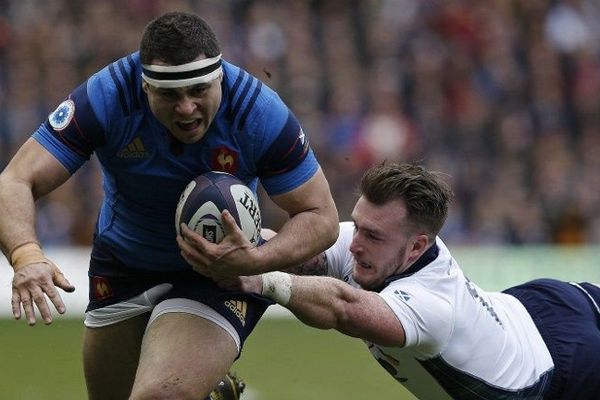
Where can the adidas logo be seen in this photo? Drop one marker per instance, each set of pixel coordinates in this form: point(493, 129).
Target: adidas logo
point(135, 149)
point(239, 308)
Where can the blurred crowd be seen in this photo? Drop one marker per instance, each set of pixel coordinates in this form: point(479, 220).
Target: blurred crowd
point(501, 95)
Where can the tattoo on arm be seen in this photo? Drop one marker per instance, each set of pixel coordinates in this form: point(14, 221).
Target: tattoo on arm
point(315, 266)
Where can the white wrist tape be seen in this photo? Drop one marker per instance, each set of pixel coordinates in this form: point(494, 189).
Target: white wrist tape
point(277, 286)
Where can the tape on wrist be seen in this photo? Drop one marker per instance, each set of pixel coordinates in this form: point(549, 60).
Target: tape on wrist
point(26, 254)
point(277, 286)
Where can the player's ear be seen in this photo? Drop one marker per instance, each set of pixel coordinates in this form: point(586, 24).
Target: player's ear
point(145, 87)
point(420, 243)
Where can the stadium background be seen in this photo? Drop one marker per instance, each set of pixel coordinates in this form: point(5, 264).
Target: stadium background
point(502, 95)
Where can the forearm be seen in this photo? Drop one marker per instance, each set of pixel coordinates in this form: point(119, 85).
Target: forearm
point(17, 233)
point(301, 238)
point(17, 210)
point(323, 303)
point(32, 173)
point(320, 302)
point(316, 265)
point(328, 303)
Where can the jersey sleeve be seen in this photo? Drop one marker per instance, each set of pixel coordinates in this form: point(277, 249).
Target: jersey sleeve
point(339, 259)
point(288, 160)
point(72, 131)
point(97, 112)
point(425, 316)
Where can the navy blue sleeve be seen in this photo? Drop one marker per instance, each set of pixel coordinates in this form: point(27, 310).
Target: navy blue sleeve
point(74, 124)
point(287, 151)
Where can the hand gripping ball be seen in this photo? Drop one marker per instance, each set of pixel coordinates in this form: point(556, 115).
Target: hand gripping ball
point(204, 199)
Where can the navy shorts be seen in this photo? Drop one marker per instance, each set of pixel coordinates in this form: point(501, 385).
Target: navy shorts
point(568, 319)
point(112, 282)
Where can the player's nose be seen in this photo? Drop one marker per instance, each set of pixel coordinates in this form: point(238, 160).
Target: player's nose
point(355, 245)
point(186, 105)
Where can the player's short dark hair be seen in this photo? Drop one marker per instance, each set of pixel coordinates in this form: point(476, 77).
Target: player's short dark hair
point(177, 38)
point(425, 193)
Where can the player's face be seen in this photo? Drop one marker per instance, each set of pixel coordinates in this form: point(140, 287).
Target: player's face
point(188, 111)
point(381, 244)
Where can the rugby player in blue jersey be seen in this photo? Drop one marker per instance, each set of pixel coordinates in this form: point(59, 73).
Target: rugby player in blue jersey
point(156, 327)
point(436, 332)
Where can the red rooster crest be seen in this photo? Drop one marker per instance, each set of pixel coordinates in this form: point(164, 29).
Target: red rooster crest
point(225, 159)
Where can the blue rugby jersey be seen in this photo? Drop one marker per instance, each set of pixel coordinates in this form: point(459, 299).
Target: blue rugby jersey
point(253, 136)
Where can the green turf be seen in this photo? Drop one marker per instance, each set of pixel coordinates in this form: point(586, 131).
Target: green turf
point(41, 362)
point(287, 360)
point(283, 359)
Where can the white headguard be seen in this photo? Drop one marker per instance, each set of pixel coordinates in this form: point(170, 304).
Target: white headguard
point(174, 76)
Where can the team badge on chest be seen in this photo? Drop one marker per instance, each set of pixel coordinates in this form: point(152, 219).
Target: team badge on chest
point(224, 159)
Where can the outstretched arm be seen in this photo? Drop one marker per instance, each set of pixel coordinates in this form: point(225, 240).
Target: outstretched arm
point(328, 303)
point(32, 173)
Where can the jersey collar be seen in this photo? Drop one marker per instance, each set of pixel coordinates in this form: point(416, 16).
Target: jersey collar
point(426, 258)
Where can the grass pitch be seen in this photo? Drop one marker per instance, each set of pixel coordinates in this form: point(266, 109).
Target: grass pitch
point(282, 359)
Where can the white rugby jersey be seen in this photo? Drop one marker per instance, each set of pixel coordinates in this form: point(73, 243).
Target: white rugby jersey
point(461, 342)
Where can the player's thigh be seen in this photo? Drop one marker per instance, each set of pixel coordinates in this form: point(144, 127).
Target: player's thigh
point(110, 357)
point(183, 356)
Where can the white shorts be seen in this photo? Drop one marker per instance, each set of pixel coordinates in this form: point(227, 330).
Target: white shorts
point(147, 302)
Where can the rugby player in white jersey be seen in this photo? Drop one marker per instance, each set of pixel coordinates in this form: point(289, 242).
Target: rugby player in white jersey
point(435, 331)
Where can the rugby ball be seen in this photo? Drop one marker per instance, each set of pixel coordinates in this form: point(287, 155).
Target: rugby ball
point(204, 199)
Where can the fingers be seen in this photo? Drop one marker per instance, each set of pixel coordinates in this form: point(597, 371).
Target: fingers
point(27, 304)
point(219, 260)
point(31, 286)
point(192, 242)
point(22, 297)
point(15, 304)
point(191, 236)
point(62, 282)
point(28, 300)
point(229, 224)
point(193, 257)
point(56, 300)
point(193, 247)
point(40, 301)
point(189, 251)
